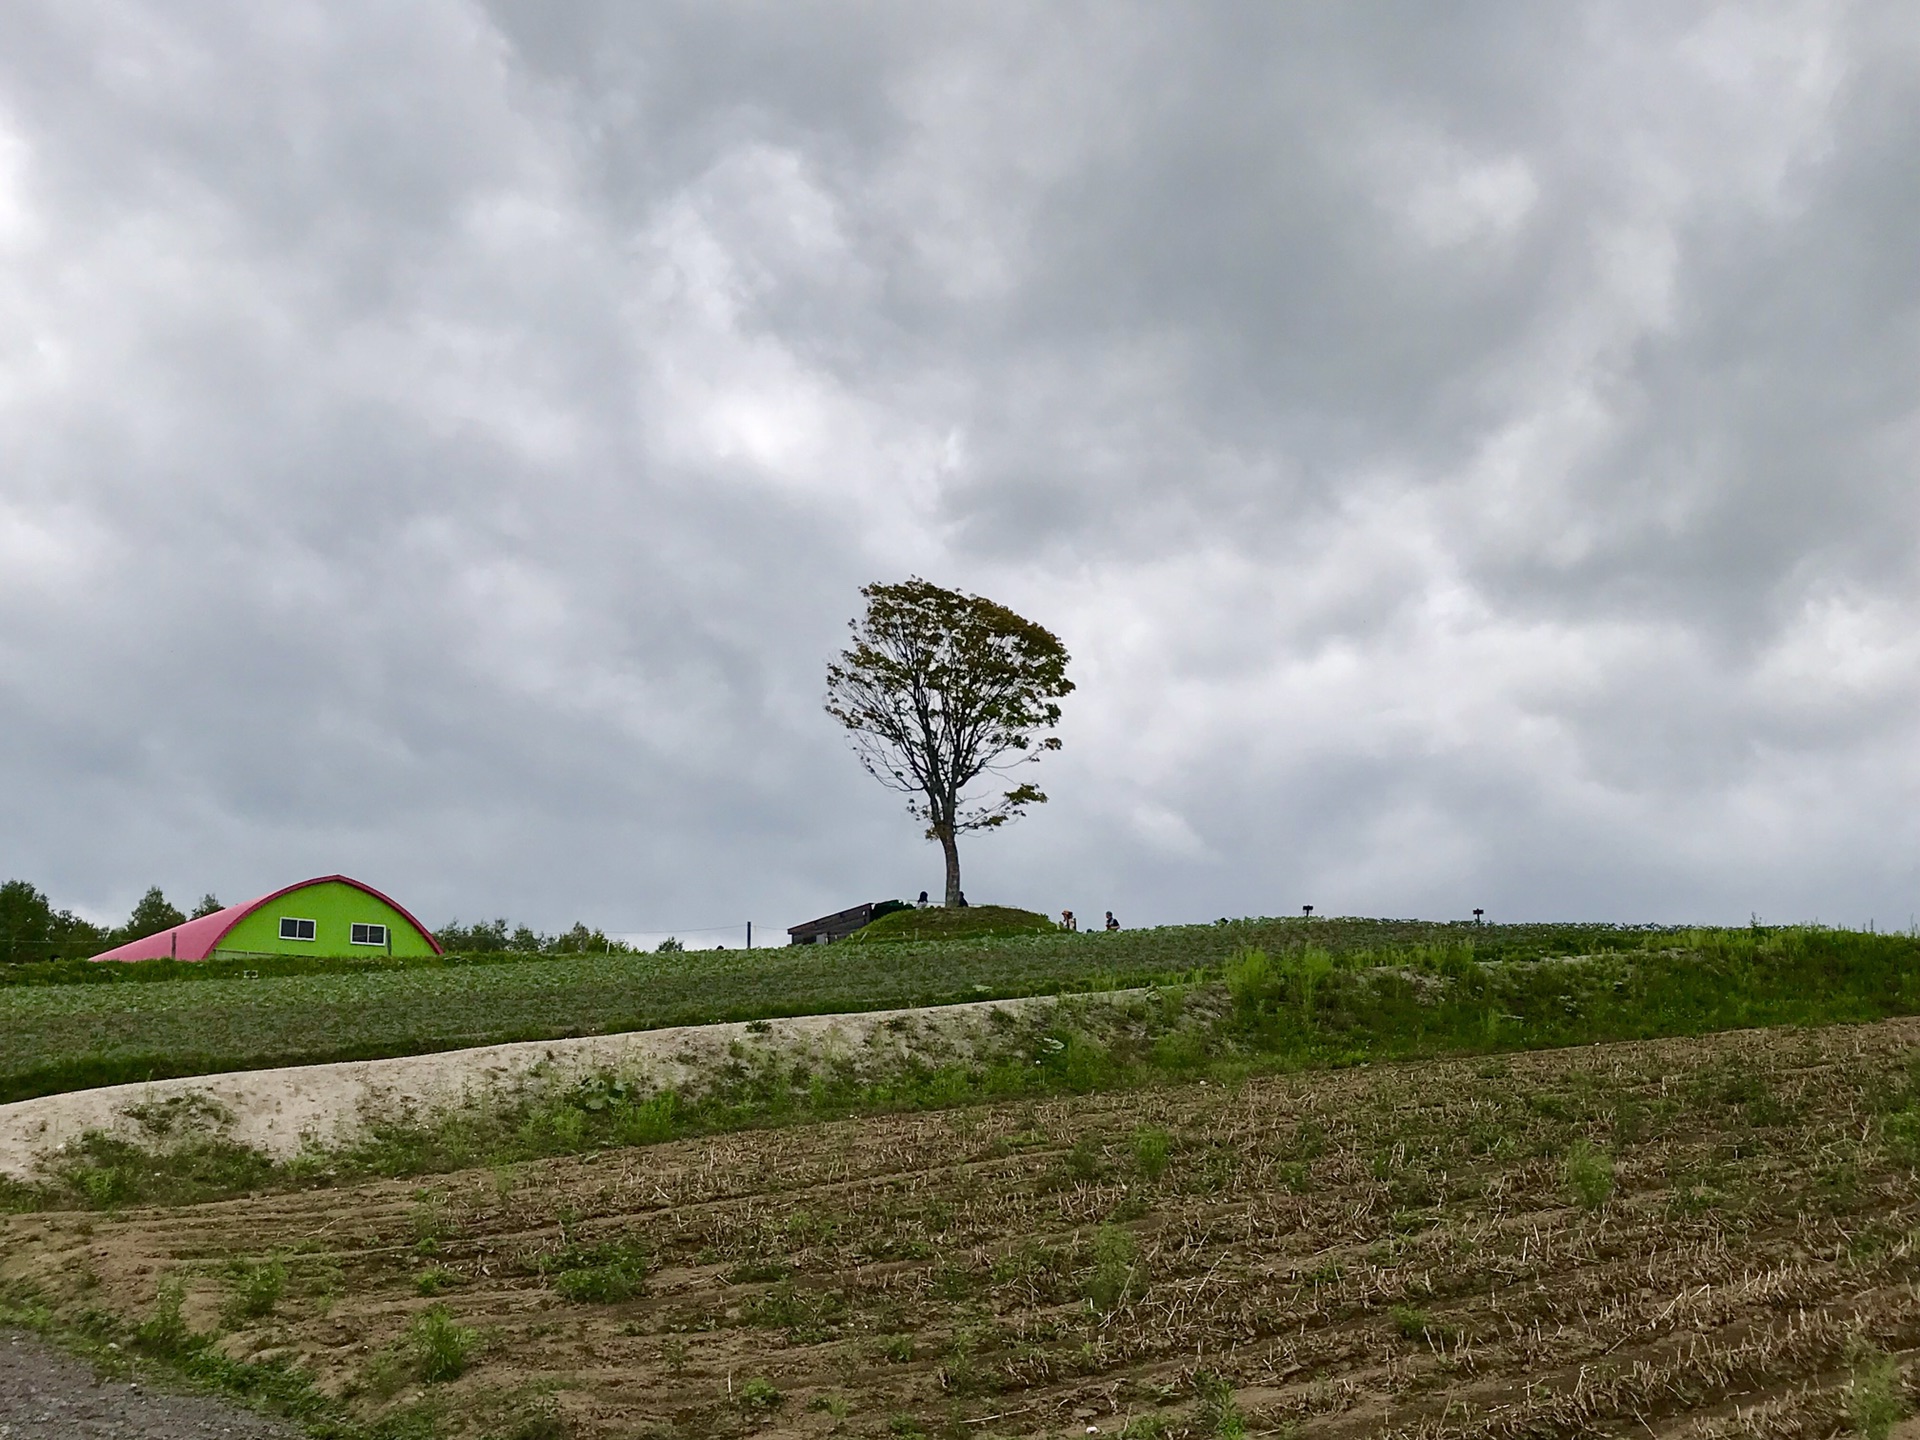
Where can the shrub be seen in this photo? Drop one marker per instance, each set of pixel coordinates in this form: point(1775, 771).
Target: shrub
point(441, 1348)
point(1182, 1051)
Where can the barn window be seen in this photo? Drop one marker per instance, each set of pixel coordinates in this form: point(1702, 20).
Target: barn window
point(292, 929)
point(369, 934)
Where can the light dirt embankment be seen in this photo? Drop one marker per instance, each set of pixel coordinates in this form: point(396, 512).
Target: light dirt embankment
point(282, 1111)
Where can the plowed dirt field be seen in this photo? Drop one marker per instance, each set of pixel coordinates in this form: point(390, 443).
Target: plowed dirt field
point(1696, 1237)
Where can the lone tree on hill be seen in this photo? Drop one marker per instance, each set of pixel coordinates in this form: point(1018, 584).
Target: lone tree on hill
point(940, 688)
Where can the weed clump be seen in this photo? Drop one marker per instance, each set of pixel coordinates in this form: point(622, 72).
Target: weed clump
point(1150, 1147)
point(1589, 1175)
point(759, 1396)
point(1264, 989)
point(897, 1349)
point(1086, 1162)
point(1875, 1398)
point(1115, 1273)
point(253, 1289)
point(1411, 1322)
point(105, 1170)
point(1900, 1132)
point(164, 1333)
point(1220, 1416)
point(433, 1280)
point(808, 1316)
point(442, 1349)
point(602, 1274)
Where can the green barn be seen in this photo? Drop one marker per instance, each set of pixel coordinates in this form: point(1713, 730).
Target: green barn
point(331, 915)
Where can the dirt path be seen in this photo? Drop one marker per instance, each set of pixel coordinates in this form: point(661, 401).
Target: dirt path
point(45, 1395)
point(1692, 1239)
point(278, 1110)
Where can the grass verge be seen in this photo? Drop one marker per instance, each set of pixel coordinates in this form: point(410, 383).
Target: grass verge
point(72, 1026)
point(1300, 1009)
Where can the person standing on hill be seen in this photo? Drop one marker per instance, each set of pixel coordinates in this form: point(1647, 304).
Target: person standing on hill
point(1067, 922)
point(1112, 924)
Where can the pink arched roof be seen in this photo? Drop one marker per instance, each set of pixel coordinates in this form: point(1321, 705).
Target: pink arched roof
point(197, 939)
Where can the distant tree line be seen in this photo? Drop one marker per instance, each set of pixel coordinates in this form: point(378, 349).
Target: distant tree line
point(492, 936)
point(31, 929)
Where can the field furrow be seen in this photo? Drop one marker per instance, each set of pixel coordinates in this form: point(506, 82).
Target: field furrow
point(1696, 1237)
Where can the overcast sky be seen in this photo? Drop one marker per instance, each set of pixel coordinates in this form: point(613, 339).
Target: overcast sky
point(1470, 451)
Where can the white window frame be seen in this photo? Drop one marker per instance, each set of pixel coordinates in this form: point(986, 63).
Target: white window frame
point(359, 927)
point(313, 928)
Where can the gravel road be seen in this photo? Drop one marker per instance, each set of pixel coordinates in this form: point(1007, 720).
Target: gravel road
point(45, 1395)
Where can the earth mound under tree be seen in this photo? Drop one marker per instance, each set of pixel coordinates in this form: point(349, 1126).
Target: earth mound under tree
point(941, 923)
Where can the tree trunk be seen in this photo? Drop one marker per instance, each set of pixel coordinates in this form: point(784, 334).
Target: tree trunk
point(944, 833)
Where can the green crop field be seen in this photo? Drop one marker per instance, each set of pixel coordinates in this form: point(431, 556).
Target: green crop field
point(65, 1027)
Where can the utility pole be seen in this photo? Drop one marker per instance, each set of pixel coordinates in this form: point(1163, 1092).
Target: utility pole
point(749, 934)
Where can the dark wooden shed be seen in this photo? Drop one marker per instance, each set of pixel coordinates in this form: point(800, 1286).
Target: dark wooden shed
point(828, 928)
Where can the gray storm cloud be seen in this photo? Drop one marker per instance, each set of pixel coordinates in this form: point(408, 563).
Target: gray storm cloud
point(1472, 462)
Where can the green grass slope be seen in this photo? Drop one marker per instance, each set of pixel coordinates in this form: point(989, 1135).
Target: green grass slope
point(976, 922)
point(158, 1019)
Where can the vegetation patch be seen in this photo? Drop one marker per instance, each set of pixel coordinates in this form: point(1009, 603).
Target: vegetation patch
point(937, 922)
point(601, 1274)
point(440, 1347)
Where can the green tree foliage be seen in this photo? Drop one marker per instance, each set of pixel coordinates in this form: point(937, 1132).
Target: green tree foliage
point(153, 914)
point(491, 937)
point(484, 937)
point(940, 688)
point(31, 929)
point(25, 917)
point(582, 941)
point(208, 905)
